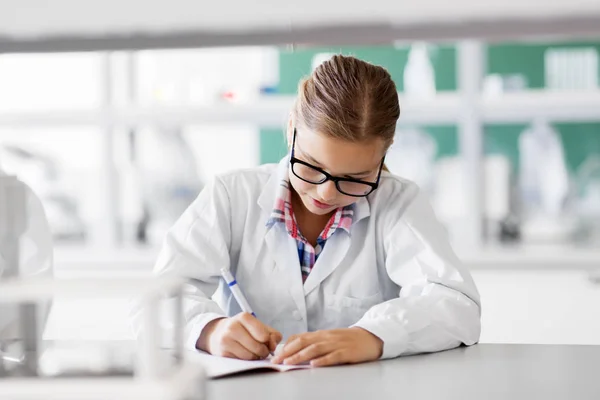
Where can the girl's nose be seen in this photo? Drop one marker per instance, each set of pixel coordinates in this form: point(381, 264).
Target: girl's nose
point(327, 192)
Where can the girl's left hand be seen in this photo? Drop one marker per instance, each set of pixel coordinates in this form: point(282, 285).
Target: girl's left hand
point(330, 347)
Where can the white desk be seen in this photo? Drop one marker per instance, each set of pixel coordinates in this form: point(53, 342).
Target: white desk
point(480, 372)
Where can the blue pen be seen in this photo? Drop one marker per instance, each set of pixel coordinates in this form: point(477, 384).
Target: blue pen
point(236, 291)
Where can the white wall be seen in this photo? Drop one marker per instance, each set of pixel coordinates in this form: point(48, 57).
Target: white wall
point(539, 306)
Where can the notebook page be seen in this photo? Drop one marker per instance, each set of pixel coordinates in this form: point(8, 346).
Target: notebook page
point(221, 366)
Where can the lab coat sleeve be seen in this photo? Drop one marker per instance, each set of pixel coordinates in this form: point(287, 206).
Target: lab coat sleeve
point(196, 248)
point(438, 306)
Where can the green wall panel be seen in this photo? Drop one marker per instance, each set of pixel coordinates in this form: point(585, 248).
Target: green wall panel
point(503, 139)
point(580, 141)
point(272, 145)
point(446, 138)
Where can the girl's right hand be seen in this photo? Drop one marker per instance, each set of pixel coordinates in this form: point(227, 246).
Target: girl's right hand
point(243, 337)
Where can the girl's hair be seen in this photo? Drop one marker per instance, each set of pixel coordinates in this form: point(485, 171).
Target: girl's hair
point(349, 99)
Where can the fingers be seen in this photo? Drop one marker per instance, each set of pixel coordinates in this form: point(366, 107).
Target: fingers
point(294, 344)
point(334, 358)
point(247, 340)
point(242, 336)
point(309, 353)
point(236, 332)
point(276, 336)
point(253, 335)
point(272, 344)
point(330, 347)
point(236, 350)
point(259, 331)
point(274, 339)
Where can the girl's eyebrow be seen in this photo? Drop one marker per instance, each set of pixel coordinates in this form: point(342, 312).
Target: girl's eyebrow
point(309, 158)
point(312, 160)
point(359, 174)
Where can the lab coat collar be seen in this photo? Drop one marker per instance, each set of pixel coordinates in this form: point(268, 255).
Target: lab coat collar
point(267, 197)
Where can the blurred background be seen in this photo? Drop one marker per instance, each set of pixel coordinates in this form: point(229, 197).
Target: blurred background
point(500, 125)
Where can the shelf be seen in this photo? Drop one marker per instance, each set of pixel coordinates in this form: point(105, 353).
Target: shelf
point(555, 106)
point(267, 111)
point(273, 111)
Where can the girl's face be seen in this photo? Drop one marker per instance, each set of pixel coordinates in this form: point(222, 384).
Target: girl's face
point(340, 158)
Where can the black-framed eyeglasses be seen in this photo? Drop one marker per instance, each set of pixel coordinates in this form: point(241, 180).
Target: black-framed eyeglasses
point(315, 175)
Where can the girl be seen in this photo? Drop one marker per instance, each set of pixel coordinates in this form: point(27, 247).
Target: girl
point(338, 258)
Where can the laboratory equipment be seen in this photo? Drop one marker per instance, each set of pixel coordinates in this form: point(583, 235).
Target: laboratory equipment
point(206, 76)
point(544, 185)
point(495, 85)
point(497, 194)
point(450, 195)
point(133, 214)
point(170, 185)
point(571, 68)
point(419, 75)
point(260, 74)
point(153, 373)
point(43, 174)
point(588, 188)
point(25, 253)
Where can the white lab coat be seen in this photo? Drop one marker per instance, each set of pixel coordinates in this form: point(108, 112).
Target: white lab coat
point(394, 275)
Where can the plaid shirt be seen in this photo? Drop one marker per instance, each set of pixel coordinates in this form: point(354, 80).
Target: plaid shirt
point(283, 213)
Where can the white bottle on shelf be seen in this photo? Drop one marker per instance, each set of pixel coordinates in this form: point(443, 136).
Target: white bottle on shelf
point(544, 184)
point(419, 75)
point(497, 187)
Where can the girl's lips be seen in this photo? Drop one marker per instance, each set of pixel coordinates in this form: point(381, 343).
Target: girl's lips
point(317, 203)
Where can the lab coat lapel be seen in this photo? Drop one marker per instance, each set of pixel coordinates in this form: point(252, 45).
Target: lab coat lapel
point(331, 257)
point(283, 249)
point(266, 200)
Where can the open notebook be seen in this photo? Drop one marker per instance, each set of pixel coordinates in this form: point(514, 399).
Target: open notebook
point(220, 366)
